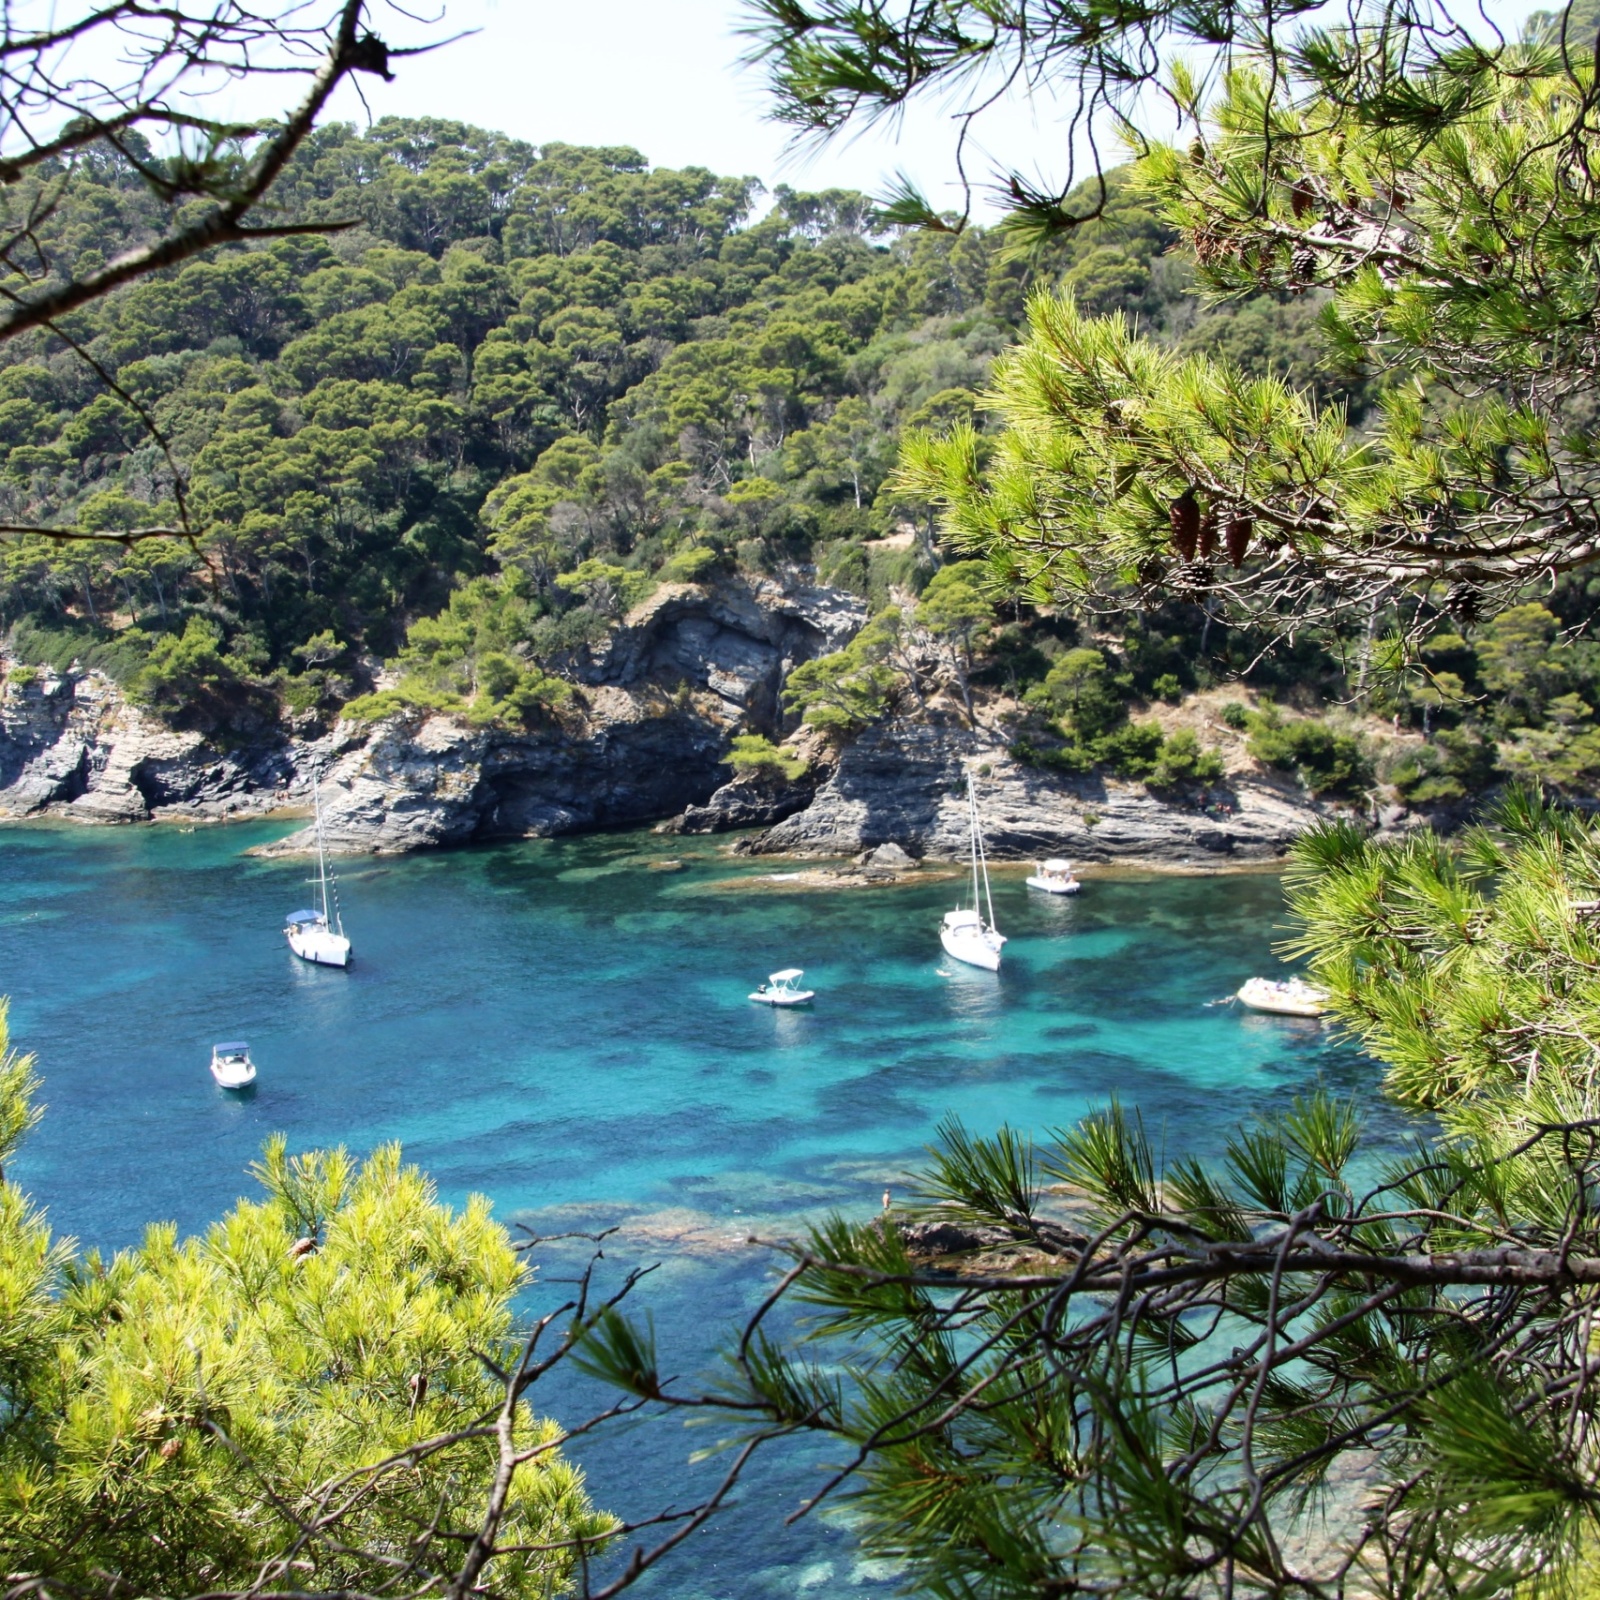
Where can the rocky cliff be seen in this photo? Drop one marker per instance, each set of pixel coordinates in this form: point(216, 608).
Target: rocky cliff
point(657, 707)
point(904, 783)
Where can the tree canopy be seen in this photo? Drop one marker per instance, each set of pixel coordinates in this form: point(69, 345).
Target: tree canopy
point(313, 1395)
point(1424, 183)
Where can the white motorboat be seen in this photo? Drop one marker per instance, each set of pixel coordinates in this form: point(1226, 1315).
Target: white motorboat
point(783, 989)
point(965, 935)
point(1292, 997)
point(317, 934)
point(231, 1065)
point(1054, 877)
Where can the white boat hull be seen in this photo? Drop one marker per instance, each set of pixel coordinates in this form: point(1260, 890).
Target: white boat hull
point(233, 1074)
point(1055, 885)
point(319, 945)
point(977, 947)
point(800, 997)
point(1292, 999)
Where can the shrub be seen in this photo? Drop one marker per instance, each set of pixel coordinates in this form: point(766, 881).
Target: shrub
point(1236, 716)
point(1182, 759)
point(410, 694)
point(1325, 761)
point(693, 565)
point(1167, 687)
point(119, 655)
point(753, 753)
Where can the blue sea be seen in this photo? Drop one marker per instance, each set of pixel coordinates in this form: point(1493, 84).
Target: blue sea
point(563, 1026)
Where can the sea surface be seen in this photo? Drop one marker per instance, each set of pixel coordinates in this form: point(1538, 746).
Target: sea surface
point(563, 1026)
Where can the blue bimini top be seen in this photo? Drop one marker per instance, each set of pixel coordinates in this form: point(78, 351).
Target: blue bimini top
point(296, 917)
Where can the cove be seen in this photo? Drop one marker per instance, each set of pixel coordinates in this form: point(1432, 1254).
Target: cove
point(559, 1026)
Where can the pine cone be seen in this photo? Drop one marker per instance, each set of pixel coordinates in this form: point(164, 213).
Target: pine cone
point(1303, 265)
point(1184, 515)
point(1239, 533)
point(1302, 197)
point(1208, 536)
point(1463, 602)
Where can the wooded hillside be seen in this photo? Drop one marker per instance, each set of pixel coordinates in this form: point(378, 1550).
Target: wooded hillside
point(464, 434)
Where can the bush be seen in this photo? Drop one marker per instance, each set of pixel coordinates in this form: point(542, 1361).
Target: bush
point(410, 694)
point(119, 655)
point(1182, 760)
point(1236, 716)
point(843, 565)
point(1325, 762)
point(753, 753)
point(1167, 687)
point(691, 566)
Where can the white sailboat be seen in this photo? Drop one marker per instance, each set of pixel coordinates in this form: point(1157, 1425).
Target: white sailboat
point(317, 934)
point(964, 934)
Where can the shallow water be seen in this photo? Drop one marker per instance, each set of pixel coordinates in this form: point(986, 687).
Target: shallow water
point(558, 1026)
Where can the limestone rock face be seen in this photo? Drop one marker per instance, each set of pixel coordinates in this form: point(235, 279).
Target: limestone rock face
point(411, 784)
point(687, 670)
point(904, 783)
point(74, 746)
point(662, 699)
point(751, 800)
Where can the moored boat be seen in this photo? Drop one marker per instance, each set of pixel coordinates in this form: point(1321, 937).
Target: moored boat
point(964, 933)
point(783, 989)
point(1291, 997)
point(1054, 877)
point(231, 1065)
point(317, 934)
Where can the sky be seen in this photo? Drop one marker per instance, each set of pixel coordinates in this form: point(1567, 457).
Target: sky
point(664, 77)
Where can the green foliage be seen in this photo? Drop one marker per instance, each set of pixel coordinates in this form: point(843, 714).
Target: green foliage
point(751, 752)
point(1325, 761)
point(188, 673)
point(1081, 689)
point(851, 688)
point(1439, 960)
point(176, 1415)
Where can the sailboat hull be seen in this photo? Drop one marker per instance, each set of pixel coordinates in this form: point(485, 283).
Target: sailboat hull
point(977, 947)
point(321, 946)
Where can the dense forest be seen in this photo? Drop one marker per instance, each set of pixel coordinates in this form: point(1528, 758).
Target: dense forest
point(433, 456)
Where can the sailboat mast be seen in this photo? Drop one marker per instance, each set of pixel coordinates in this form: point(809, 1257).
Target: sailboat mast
point(983, 856)
point(322, 856)
point(972, 833)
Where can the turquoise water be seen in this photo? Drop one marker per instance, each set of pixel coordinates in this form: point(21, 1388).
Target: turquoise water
point(563, 1028)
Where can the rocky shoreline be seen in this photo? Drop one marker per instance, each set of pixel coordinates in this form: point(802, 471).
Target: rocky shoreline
point(658, 708)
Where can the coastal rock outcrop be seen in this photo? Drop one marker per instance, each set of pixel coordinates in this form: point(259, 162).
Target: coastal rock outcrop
point(656, 709)
point(660, 701)
point(904, 783)
point(684, 672)
point(72, 744)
